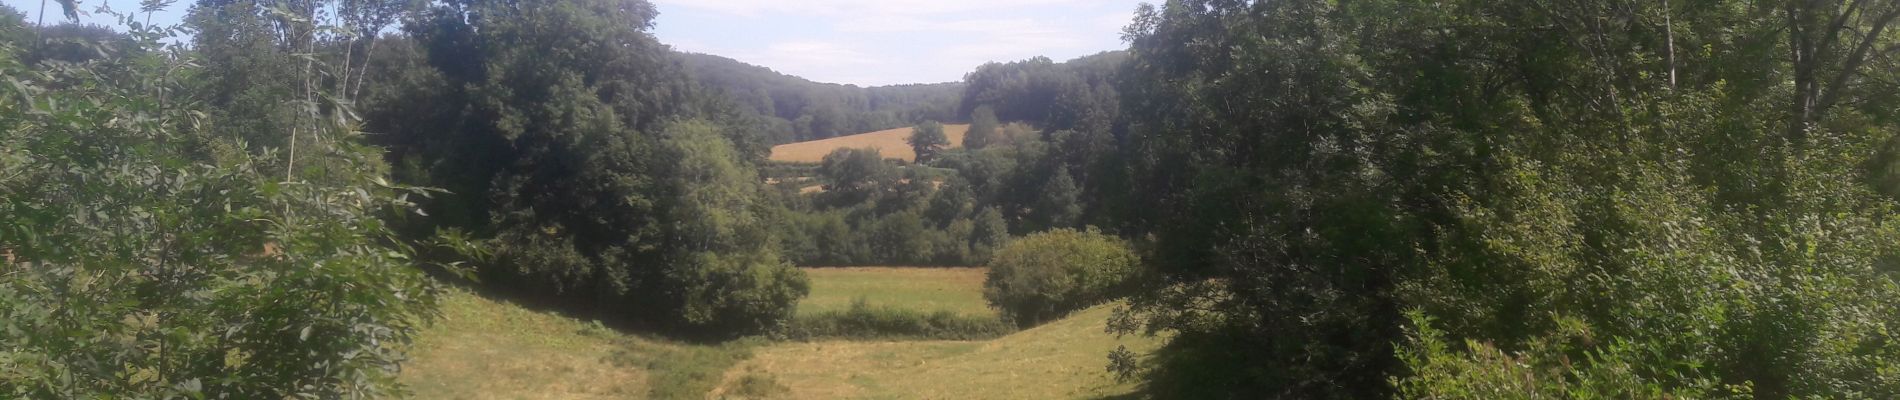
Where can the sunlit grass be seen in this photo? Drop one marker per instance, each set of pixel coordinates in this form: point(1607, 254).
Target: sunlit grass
point(958, 290)
point(486, 349)
point(1066, 359)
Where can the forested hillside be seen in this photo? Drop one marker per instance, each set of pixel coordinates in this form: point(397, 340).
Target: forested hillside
point(793, 109)
point(1304, 199)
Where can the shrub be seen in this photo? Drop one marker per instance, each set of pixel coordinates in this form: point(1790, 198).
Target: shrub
point(1047, 275)
point(1544, 370)
point(144, 255)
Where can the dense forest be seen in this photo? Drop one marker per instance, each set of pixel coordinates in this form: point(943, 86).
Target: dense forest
point(793, 109)
point(1307, 199)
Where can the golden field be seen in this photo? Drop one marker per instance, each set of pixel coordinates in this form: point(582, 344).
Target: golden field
point(892, 142)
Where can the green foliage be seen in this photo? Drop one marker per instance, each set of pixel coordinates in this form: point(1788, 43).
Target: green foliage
point(875, 213)
point(602, 177)
point(1045, 276)
point(1038, 89)
point(1058, 204)
point(854, 176)
point(13, 31)
point(1644, 201)
point(148, 254)
point(927, 139)
point(792, 109)
point(866, 322)
point(725, 267)
point(983, 126)
point(1544, 370)
point(988, 233)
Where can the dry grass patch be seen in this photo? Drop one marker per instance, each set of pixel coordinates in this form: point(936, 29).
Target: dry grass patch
point(484, 349)
point(891, 142)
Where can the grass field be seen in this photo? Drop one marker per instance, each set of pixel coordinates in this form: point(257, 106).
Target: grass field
point(488, 349)
point(1066, 359)
point(958, 290)
point(891, 142)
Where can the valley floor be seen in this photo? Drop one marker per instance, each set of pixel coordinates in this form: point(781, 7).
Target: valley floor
point(487, 349)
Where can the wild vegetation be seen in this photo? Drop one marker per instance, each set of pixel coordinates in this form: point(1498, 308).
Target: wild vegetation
point(150, 250)
point(597, 174)
point(1047, 275)
point(1477, 199)
point(1257, 199)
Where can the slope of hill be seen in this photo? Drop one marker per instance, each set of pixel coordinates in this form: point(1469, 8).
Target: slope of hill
point(487, 349)
point(797, 109)
point(892, 142)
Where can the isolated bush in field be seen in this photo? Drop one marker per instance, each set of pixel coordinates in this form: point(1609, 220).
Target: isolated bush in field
point(928, 139)
point(1046, 275)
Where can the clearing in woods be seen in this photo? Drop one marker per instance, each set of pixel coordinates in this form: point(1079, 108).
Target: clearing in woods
point(893, 143)
point(487, 349)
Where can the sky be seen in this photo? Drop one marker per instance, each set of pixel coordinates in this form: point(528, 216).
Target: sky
point(882, 42)
point(861, 42)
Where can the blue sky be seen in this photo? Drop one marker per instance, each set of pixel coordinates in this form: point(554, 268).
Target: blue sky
point(863, 42)
point(880, 42)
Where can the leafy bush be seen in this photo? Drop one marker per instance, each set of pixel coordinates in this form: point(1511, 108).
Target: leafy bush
point(1047, 275)
point(1545, 369)
point(146, 256)
point(855, 176)
point(864, 321)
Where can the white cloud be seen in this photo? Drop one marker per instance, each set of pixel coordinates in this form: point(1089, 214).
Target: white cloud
point(753, 8)
point(818, 54)
point(877, 42)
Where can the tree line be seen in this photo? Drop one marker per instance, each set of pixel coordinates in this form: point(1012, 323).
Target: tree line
point(786, 109)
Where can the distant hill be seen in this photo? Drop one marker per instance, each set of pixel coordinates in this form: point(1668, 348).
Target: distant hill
point(893, 143)
point(796, 109)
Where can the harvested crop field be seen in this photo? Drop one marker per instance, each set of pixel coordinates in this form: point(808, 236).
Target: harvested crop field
point(892, 142)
